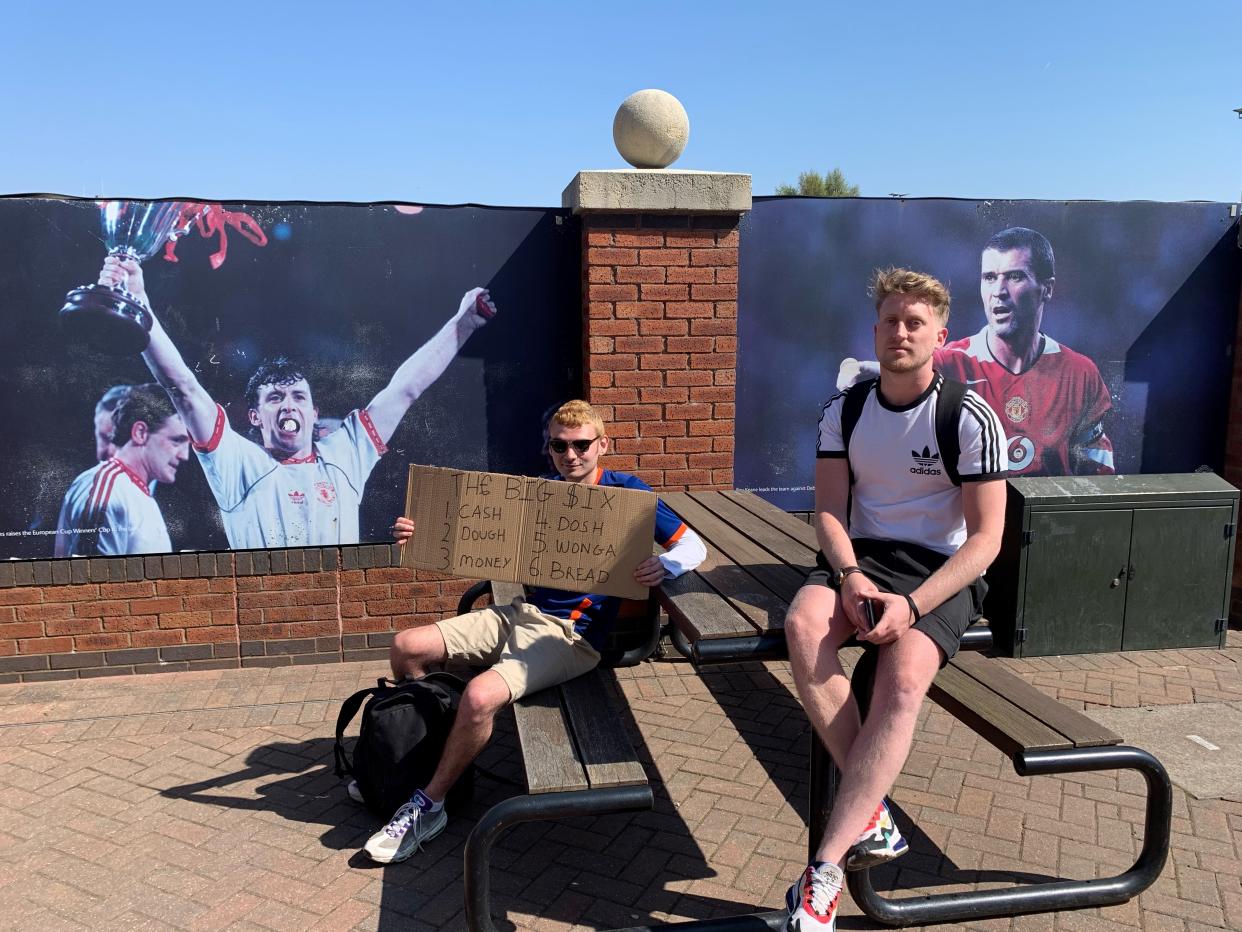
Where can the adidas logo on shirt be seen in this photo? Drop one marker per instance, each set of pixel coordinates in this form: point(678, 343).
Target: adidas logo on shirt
point(927, 463)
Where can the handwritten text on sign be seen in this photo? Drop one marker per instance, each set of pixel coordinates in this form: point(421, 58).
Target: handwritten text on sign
point(539, 532)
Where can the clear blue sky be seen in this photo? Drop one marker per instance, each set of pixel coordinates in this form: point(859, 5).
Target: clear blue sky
point(502, 103)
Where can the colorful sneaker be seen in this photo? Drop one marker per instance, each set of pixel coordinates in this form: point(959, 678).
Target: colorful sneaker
point(812, 901)
point(354, 793)
point(879, 844)
point(410, 828)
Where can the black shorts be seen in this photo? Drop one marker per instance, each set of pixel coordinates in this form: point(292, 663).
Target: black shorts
point(900, 567)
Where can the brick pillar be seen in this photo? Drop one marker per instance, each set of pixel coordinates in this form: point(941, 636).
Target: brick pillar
point(659, 287)
point(1233, 459)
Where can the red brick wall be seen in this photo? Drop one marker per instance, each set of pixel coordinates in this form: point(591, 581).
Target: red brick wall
point(660, 343)
point(211, 611)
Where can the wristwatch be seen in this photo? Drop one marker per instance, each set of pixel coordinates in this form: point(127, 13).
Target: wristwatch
point(843, 572)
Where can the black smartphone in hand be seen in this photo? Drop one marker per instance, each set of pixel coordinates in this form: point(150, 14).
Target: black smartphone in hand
point(868, 613)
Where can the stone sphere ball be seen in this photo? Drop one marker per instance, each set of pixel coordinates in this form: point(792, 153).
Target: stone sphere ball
point(651, 129)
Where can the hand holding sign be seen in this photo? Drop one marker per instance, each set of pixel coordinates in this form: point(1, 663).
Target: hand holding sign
point(650, 572)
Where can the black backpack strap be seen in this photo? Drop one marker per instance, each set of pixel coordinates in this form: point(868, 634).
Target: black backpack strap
point(851, 410)
point(948, 416)
point(349, 708)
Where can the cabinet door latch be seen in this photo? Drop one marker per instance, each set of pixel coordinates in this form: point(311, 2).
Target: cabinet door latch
point(1019, 635)
point(1028, 537)
point(1229, 529)
point(1221, 625)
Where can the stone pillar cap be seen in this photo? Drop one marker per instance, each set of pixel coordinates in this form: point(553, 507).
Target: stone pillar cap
point(658, 190)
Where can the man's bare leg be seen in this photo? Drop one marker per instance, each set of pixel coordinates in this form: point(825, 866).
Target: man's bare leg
point(484, 696)
point(815, 629)
point(905, 670)
point(415, 651)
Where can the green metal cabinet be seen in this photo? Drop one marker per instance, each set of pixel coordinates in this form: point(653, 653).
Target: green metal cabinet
point(1107, 563)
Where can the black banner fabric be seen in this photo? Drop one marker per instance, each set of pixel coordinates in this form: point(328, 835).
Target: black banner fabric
point(385, 354)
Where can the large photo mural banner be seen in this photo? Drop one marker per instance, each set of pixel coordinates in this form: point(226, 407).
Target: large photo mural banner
point(186, 376)
point(1101, 333)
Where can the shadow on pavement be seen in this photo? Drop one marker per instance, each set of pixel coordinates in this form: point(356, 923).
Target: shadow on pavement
point(606, 872)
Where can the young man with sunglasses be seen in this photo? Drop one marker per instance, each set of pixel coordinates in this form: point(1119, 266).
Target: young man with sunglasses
point(545, 639)
point(902, 550)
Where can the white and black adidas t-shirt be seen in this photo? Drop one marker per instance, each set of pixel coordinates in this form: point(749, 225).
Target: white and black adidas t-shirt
point(901, 491)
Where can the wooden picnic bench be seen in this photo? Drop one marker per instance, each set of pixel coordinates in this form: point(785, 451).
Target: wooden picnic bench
point(577, 758)
point(733, 607)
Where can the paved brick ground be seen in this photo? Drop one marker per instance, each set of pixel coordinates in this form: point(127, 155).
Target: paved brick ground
point(205, 801)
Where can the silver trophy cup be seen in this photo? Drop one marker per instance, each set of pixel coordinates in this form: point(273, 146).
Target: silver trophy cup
point(111, 319)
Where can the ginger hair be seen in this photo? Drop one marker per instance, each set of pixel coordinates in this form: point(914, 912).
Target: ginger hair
point(577, 413)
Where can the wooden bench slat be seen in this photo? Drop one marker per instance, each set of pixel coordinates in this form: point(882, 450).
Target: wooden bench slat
point(1076, 727)
point(781, 579)
point(700, 612)
point(605, 749)
point(720, 599)
point(1001, 722)
point(780, 544)
point(783, 521)
point(552, 762)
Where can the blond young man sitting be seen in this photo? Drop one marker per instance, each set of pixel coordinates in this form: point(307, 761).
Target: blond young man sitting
point(541, 641)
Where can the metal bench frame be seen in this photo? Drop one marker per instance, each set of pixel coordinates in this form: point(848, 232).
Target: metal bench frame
point(1042, 896)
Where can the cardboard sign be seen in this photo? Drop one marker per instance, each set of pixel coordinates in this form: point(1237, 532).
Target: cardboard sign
point(538, 532)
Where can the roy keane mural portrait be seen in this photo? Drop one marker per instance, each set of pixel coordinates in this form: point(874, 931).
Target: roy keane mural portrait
point(1100, 333)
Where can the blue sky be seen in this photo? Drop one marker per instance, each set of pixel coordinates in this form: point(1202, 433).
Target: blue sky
point(503, 103)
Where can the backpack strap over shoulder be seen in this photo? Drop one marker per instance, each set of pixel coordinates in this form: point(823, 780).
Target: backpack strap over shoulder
point(948, 416)
point(852, 408)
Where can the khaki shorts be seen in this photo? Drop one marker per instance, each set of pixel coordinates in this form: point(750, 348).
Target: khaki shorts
point(530, 650)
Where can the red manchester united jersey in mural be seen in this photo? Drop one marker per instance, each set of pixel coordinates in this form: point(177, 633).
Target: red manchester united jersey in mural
point(1052, 412)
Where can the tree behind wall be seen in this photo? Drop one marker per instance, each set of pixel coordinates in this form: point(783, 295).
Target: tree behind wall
point(813, 184)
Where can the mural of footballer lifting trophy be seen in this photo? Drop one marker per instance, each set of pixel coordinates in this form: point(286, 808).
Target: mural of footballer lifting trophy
point(109, 318)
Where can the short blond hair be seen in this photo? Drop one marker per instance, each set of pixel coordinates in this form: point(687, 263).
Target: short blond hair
point(919, 285)
point(577, 413)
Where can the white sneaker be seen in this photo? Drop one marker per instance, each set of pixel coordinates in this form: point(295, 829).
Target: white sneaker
point(812, 901)
point(410, 828)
